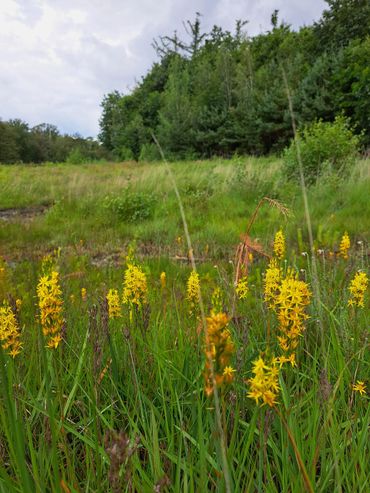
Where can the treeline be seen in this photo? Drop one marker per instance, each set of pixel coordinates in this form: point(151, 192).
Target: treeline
point(21, 144)
point(221, 92)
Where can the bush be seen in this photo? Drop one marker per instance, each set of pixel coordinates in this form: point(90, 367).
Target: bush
point(325, 148)
point(76, 156)
point(131, 206)
point(149, 152)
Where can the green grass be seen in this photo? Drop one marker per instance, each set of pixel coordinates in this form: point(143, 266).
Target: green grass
point(218, 197)
point(142, 377)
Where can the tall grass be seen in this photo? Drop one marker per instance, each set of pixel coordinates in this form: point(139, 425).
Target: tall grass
point(120, 404)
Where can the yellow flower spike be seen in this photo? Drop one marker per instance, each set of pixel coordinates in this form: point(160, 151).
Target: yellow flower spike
point(217, 302)
point(359, 387)
point(9, 331)
point(83, 294)
point(134, 286)
point(192, 290)
point(344, 246)
point(51, 308)
point(241, 288)
point(114, 304)
point(291, 301)
point(357, 288)
point(279, 245)
point(163, 280)
point(272, 283)
point(264, 385)
point(219, 348)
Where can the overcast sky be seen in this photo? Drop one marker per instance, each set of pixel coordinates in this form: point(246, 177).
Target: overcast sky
point(59, 57)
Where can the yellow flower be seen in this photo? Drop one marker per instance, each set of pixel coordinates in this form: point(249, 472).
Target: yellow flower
point(134, 286)
point(272, 283)
point(360, 387)
point(193, 290)
point(357, 288)
point(242, 288)
point(163, 280)
point(344, 246)
point(54, 341)
point(9, 331)
point(279, 245)
point(219, 349)
point(51, 307)
point(264, 385)
point(114, 305)
point(217, 303)
point(291, 301)
point(228, 374)
point(18, 303)
point(83, 294)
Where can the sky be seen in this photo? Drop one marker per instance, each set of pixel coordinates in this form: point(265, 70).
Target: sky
point(59, 57)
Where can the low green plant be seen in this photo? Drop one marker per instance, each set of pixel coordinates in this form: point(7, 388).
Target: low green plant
point(325, 147)
point(131, 206)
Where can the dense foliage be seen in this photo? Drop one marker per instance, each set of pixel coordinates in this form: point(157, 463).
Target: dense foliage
point(21, 144)
point(221, 93)
point(324, 147)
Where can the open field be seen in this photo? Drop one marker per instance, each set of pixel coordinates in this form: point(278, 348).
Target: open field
point(160, 398)
point(106, 206)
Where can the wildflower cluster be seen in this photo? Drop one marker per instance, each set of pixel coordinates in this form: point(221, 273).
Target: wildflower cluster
point(357, 288)
point(242, 288)
point(51, 308)
point(193, 290)
point(292, 299)
point(134, 286)
point(114, 304)
point(219, 349)
point(9, 331)
point(264, 385)
point(279, 245)
point(217, 302)
point(344, 246)
point(272, 282)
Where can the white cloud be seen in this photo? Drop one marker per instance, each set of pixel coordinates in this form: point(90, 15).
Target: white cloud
point(59, 57)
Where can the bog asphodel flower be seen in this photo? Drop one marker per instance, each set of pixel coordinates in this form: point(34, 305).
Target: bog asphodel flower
point(344, 246)
point(219, 349)
point(217, 302)
point(114, 304)
point(264, 385)
point(83, 294)
point(279, 245)
point(271, 283)
point(193, 290)
point(163, 280)
point(9, 331)
point(357, 288)
point(359, 387)
point(135, 287)
point(51, 308)
point(291, 302)
point(241, 288)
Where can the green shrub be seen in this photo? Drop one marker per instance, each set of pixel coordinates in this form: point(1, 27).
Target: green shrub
point(325, 148)
point(149, 152)
point(131, 206)
point(125, 154)
point(76, 156)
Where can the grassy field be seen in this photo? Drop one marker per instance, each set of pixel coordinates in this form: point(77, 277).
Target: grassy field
point(160, 398)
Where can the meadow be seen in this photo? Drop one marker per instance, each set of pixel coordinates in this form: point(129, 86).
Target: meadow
point(125, 369)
